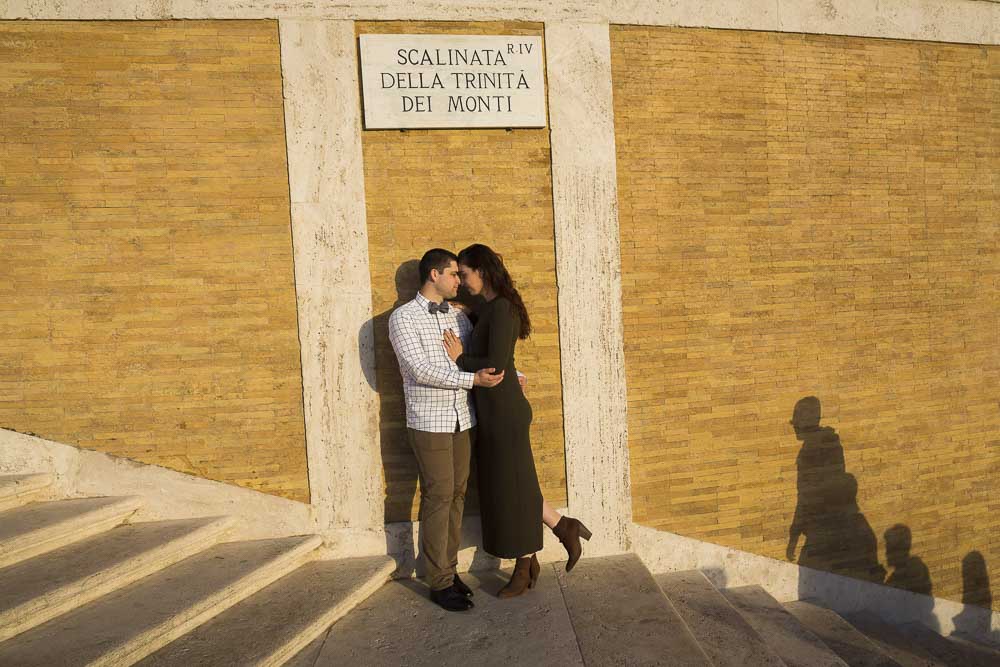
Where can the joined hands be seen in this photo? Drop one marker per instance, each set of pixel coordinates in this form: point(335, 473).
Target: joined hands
point(487, 377)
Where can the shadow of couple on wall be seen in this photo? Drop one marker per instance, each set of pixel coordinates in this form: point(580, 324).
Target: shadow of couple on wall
point(836, 535)
point(398, 463)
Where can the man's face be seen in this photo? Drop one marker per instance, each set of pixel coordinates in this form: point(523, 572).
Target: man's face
point(446, 282)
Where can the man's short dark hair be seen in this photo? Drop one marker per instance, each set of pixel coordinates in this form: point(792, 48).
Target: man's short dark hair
point(435, 258)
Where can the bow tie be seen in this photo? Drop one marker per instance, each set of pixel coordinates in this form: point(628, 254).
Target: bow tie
point(438, 307)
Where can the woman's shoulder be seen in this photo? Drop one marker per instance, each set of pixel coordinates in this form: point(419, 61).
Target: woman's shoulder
point(502, 304)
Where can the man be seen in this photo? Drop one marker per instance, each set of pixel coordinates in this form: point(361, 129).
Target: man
point(439, 418)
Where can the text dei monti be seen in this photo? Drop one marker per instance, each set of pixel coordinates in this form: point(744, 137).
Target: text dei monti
point(476, 90)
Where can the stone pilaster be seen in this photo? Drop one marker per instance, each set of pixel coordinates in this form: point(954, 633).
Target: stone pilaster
point(330, 236)
point(585, 202)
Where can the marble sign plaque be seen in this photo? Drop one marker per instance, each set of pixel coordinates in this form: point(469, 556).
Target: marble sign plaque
point(452, 81)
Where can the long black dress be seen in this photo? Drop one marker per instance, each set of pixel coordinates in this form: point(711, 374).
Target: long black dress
point(509, 497)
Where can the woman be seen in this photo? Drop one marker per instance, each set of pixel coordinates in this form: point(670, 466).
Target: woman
point(512, 509)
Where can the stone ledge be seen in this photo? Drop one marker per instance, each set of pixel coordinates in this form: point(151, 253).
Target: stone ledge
point(165, 494)
point(968, 21)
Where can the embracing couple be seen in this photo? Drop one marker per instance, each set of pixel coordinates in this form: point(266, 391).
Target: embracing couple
point(443, 358)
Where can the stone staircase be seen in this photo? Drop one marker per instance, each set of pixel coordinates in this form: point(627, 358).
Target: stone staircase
point(81, 584)
point(612, 611)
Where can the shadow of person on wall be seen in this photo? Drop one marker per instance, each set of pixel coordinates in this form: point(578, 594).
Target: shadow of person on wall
point(973, 622)
point(398, 463)
point(837, 536)
point(910, 573)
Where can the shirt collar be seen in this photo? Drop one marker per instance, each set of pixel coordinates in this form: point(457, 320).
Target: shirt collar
point(422, 301)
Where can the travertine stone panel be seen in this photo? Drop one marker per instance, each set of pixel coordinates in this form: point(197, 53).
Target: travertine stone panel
point(971, 21)
point(590, 324)
point(976, 22)
point(451, 188)
point(807, 216)
point(331, 265)
point(147, 290)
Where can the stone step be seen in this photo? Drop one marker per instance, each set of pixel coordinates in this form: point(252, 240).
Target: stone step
point(622, 617)
point(992, 650)
point(309, 656)
point(399, 625)
point(40, 588)
point(40, 527)
point(951, 653)
point(725, 636)
point(132, 622)
point(892, 642)
point(791, 640)
point(273, 625)
point(17, 490)
point(842, 637)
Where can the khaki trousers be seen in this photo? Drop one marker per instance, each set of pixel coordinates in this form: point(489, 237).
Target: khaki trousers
point(443, 459)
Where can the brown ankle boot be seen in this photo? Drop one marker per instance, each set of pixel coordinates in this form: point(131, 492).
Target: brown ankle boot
point(569, 531)
point(534, 571)
point(520, 581)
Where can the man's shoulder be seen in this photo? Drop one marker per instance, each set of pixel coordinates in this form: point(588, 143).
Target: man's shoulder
point(403, 315)
point(404, 310)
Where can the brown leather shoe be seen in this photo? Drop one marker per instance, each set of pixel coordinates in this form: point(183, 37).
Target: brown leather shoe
point(534, 571)
point(569, 531)
point(520, 581)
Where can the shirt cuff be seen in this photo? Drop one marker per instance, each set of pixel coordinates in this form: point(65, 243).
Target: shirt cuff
point(467, 380)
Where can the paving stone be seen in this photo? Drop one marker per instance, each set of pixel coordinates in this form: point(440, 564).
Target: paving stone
point(622, 617)
point(725, 636)
point(892, 642)
point(274, 624)
point(132, 622)
point(35, 590)
point(308, 656)
point(793, 642)
point(951, 653)
point(843, 638)
point(39, 527)
point(16, 490)
point(399, 625)
point(988, 649)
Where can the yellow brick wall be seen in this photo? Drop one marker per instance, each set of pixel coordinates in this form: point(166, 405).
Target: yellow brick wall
point(813, 216)
point(147, 302)
point(451, 188)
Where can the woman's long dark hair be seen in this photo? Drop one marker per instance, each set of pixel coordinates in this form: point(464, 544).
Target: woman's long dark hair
point(490, 266)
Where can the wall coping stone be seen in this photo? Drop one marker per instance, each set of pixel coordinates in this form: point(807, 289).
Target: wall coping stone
point(967, 21)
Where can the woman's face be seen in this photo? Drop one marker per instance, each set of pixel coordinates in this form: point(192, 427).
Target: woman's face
point(472, 279)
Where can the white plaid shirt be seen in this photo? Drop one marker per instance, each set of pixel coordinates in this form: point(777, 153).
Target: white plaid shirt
point(436, 391)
